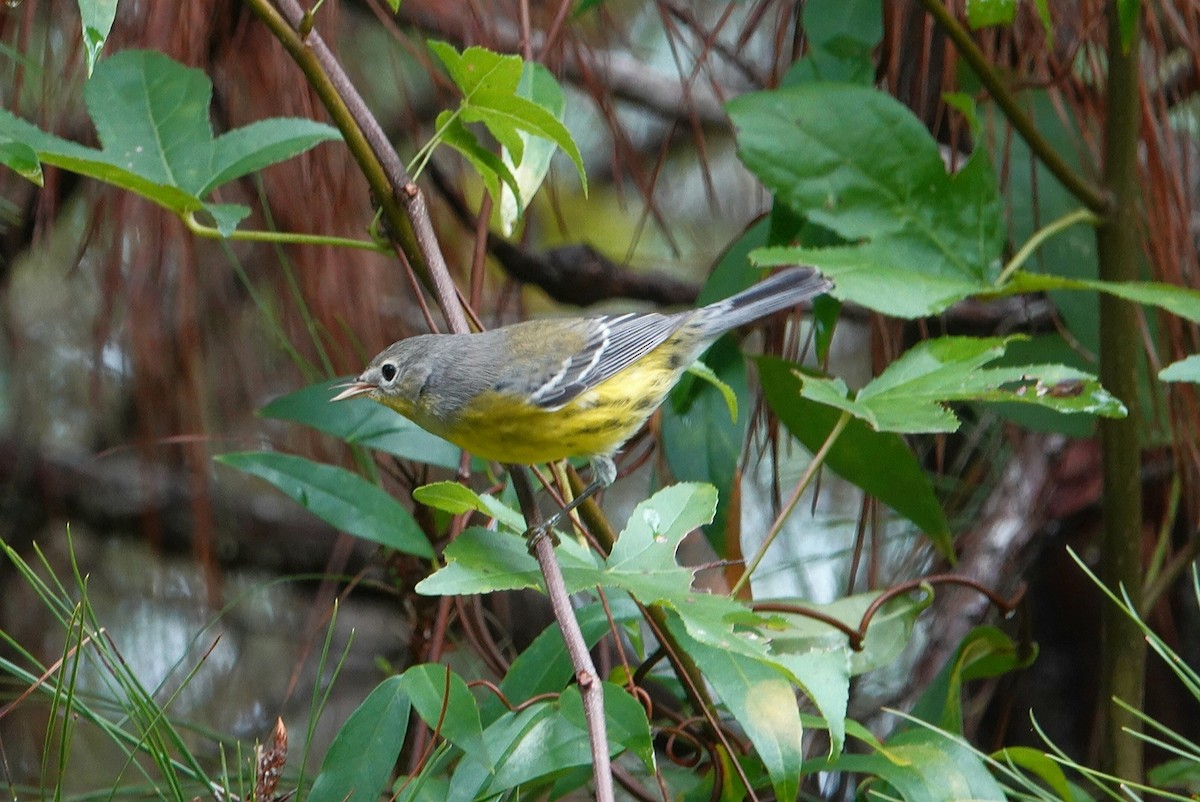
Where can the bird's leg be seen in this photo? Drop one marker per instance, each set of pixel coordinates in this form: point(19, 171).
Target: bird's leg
point(604, 473)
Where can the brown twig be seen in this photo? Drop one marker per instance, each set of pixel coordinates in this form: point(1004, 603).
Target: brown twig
point(591, 689)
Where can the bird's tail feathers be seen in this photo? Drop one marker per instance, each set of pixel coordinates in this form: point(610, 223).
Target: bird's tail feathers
point(781, 291)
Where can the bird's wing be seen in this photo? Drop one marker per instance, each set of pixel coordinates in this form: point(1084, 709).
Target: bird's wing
point(614, 342)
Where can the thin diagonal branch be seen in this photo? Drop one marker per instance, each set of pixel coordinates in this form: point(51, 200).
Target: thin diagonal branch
point(1088, 193)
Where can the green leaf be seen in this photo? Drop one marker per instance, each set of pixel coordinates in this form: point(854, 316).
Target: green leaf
point(910, 395)
point(901, 275)
point(841, 36)
point(706, 374)
point(880, 463)
point(456, 499)
point(444, 701)
point(337, 496)
point(363, 754)
point(97, 17)
point(151, 115)
point(824, 675)
point(362, 422)
point(505, 115)
point(1042, 766)
point(700, 441)
point(627, 727)
point(887, 632)
point(985, 652)
point(1045, 349)
point(858, 163)
point(539, 86)
point(478, 68)
point(1185, 370)
point(539, 742)
point(545, 665)
point(921, 766)
point(491, 168)
point(986, 13)
point(490, 85)
point(762, 702)
point(1180, 301)
point(23, 159)
point(483, 561)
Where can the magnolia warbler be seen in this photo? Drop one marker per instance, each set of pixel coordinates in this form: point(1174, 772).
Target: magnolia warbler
point(543, 390)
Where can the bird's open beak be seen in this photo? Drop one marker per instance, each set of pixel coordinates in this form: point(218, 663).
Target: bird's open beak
point(352, 388)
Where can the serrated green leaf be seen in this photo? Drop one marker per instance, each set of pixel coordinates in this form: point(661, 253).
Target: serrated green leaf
point(482, 561)
point(342, 499)
point(456, 499)
point(490, 84)
point(363, 754)
point(986, 13)
point(880, 463)
point(858, 163)
point(151, 115)
point(97, 17)
point(362, 422)
point(1185, 370)
point(479, 69)
point(910, 395)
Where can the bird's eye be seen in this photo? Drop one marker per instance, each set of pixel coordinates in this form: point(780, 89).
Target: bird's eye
point(388, 371)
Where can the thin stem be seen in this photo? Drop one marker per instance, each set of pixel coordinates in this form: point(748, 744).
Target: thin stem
point(591, 689)
point(809, 474)
point(1090, 195)
point(1123, 654)
point(402, 202)
point(1041, 235)
point(279, 237)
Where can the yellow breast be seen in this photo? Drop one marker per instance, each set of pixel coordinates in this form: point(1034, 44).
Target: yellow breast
point(508, 429)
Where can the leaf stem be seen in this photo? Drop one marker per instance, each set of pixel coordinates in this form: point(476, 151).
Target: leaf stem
point(279, 237)
point(1088, 193)
point(805, 480)
point(1041, 235)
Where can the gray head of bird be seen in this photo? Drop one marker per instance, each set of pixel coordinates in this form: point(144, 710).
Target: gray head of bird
point(395, 377)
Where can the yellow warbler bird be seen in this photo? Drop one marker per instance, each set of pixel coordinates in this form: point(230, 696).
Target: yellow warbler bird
point(544, 390)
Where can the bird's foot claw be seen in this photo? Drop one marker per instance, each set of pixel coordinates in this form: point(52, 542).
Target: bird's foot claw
point(535, 534)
